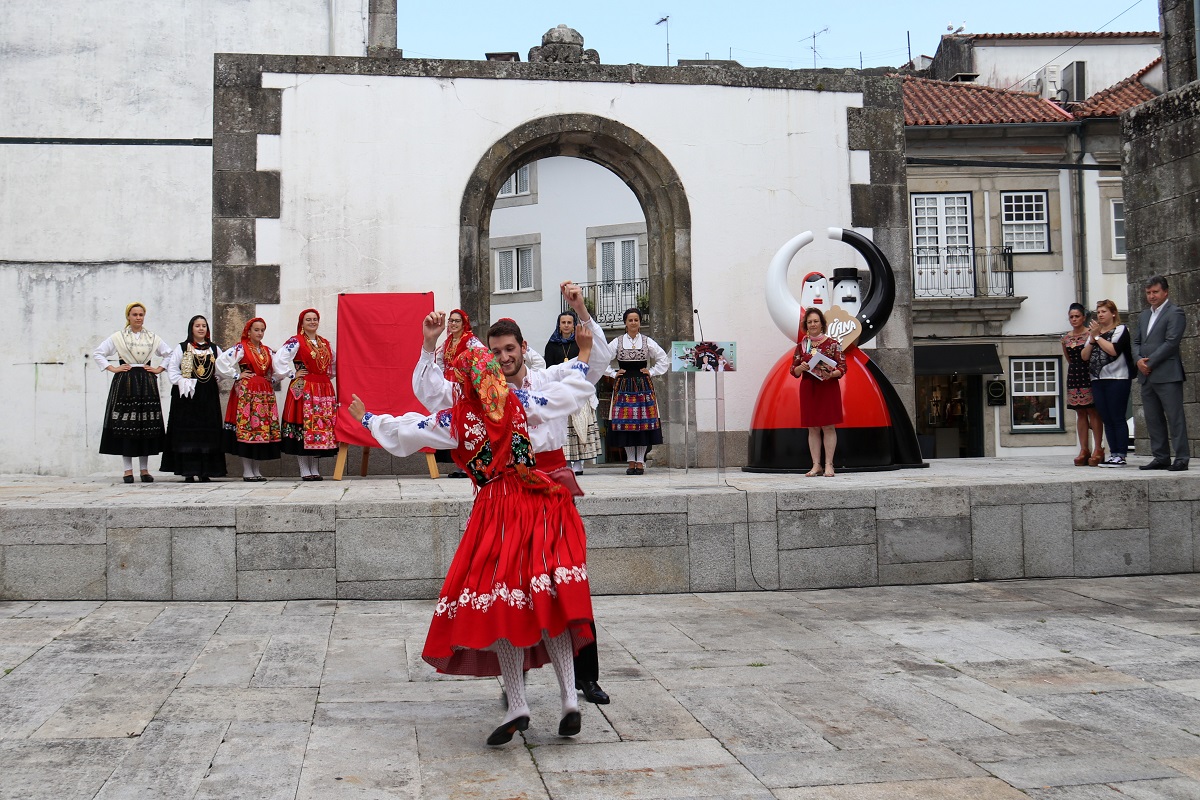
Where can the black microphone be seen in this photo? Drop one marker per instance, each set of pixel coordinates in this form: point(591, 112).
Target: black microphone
point(696, 311)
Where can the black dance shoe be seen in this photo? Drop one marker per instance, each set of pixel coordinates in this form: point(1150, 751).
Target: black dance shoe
point(593, 693)
point(205, 479)
point(571, 723)
point(189, 478)
point(147, 477)
point(504, 734)
point(128, 479)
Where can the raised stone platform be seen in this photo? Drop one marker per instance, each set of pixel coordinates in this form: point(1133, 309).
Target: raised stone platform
point(665, 532)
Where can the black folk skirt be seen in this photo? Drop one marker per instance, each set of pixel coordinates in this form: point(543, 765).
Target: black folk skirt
point(195, 433)
point(133, 418)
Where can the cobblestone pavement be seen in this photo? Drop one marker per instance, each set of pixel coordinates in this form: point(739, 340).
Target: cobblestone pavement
point(1085, 688)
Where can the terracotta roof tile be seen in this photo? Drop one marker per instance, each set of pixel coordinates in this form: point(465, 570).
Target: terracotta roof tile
point(930, 102)
point(1118, 98)
point(1064, 35)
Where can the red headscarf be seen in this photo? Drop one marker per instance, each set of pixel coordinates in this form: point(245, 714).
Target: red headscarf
point(300, 331)
point(453, 347)
point(502, 441)
point(246, 330)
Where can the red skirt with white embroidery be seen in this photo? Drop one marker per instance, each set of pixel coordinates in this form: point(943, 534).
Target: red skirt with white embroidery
point(520, 569)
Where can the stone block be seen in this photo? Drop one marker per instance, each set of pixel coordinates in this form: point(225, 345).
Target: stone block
point(757, 559)
point(235, 151)
point(395, 549)
point(875, 129)
point(1118, 552)
point(908, 541)
point(931, 501)
point(639, 570)
point(761, 506)
point(876, 206)
point(828, 567)
point(1047, 540)
point(629, 530)
point(42, 526)
point(282, 518)
point(1171, 537)
point(287, 584)
point(997, 549)
point(54, 572)
point(1007, 494)
point(291, 550)
point(247, 284)
point(929, 572)
point(836, 527)
point(1174, 486)
point(406, 509)
point(139, 564)
point(711, 555)
point(170, 516)
point(713, 507)
point(1110, 505)
point(204, 564)
point(808, 500)
point(631, 505)
point(246, 194)
point(243, 109)
point(389, 590)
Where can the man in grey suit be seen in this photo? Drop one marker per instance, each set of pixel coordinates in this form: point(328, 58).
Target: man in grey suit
point(1160, 373)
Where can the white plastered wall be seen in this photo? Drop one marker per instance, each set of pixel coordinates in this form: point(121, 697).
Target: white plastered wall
point(373, 170)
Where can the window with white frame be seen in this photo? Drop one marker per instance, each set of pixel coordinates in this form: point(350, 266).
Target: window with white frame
point(1025, 221)
point(618, 260)
point(517, 184)
point(514, 270)
point(1036, 394)
point(1118, 228)
point(942, 245)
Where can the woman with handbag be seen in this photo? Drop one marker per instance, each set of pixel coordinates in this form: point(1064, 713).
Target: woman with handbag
point(819, 364)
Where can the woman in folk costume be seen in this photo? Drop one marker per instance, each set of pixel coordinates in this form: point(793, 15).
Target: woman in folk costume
point(459, 337)
point(633, 421)
point(310, 405)
point(516, 594)
point(195, 446)
point(133, 419)
point(583, 432)
point(252, 417)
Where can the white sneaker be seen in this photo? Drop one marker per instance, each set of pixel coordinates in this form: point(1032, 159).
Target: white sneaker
point(1113, 461)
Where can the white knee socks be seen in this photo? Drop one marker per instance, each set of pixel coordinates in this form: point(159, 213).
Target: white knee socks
point(247, 468)
point(635, 454)
point(512, 663)
point(128, 462)
point(144, 463)
point(308, 465)
point(562, 657)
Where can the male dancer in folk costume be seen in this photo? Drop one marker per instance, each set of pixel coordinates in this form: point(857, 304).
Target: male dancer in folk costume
point(516, 594)
point(548, 436)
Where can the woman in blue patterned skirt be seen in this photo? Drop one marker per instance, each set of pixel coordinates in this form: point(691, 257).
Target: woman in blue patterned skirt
point(633, 421)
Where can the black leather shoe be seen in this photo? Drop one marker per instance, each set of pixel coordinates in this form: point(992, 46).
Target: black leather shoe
point(147, 477)
point(457, 474)
point(1157, 463)
point(1180, 465)
point(593, 693)
point(128, 479)
point(189, 479)
point(504, 734)
point(571, 723)
point(205, 479)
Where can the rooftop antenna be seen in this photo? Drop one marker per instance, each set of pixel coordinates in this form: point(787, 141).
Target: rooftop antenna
point(813, 46)
point(665, 21)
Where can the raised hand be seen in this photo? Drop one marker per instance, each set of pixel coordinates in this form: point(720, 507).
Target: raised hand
point(583, 338)
point(574, 297)
point(358, 408)
point(433, 326)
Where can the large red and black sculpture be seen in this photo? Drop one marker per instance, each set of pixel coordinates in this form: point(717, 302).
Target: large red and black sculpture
point(876, 433)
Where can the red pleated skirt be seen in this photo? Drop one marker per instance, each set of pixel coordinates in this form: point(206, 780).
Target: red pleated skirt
point(520, 569)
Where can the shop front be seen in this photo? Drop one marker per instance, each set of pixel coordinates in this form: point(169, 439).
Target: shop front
point(950, 392)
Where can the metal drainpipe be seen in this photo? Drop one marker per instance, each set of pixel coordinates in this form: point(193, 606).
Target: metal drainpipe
point(1080, 233)
point(1196, 37)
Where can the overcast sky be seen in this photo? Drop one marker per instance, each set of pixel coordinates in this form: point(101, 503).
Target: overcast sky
point(761, 33)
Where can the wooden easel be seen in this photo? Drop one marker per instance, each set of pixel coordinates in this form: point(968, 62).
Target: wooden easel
point(340, 466)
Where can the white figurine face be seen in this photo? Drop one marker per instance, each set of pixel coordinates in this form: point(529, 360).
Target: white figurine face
point(815, 293)
point(847, 293)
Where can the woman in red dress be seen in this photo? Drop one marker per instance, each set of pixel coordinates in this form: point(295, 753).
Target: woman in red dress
point(310, 405)
point(252, 416)
point(458, 338)
point(516, 595)
point(820, 394)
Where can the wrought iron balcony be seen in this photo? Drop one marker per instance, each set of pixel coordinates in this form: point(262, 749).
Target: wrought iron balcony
point(608, 300)
point(958, 271)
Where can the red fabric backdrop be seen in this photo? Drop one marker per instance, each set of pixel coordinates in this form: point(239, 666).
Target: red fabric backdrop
point(378, 343)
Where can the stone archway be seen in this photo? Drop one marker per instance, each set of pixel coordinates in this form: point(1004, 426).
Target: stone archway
point(643, 168)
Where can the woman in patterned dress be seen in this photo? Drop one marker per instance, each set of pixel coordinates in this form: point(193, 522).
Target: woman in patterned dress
point(820, 393)
point(195, 435)
point(516, 595)
point(458, 338)
point(633, 421)
point(252, 416)
point(583, 432)
point(1079, 388)
point(310, 405)
point(133, 418)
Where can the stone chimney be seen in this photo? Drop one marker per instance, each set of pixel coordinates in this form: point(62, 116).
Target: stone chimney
point(563, 45)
